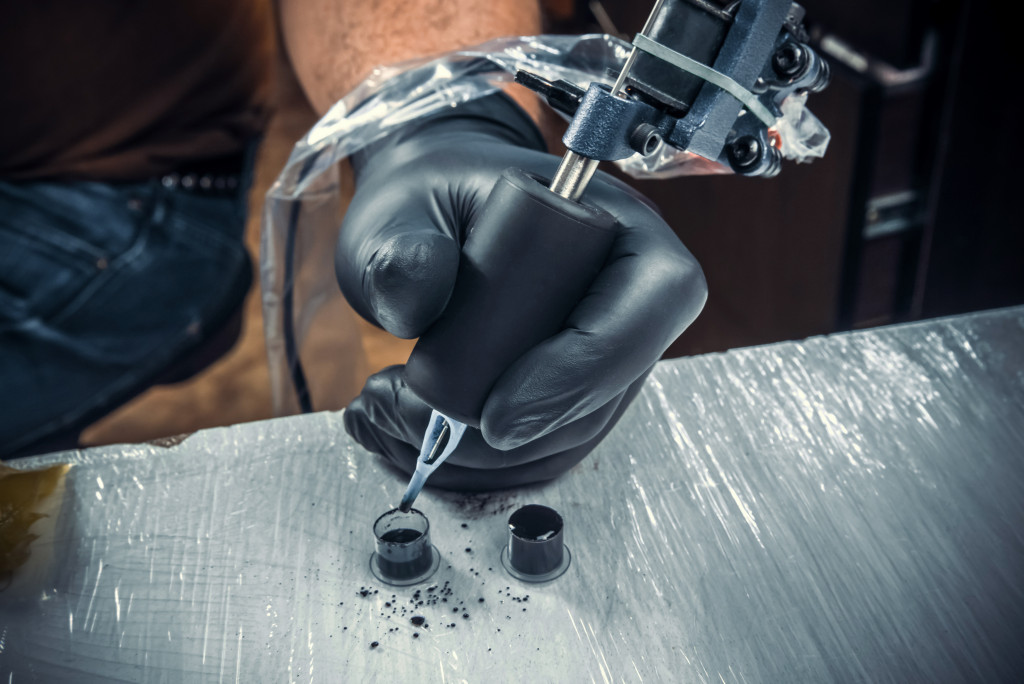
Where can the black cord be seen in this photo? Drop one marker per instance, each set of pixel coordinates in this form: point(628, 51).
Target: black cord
point(291, 350)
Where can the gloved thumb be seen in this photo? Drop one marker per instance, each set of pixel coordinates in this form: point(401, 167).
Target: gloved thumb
point(395, 265)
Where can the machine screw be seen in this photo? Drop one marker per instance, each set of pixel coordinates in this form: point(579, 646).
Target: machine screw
point(745, 152)
point(645, 139)
point(822, 76)
point(790, 60)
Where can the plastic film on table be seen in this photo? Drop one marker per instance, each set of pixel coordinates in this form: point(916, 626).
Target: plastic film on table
point(840, 509)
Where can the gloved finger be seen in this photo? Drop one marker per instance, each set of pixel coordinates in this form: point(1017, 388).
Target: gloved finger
point(394, 451)
point(462, 478)
point(468, 479)
point(387, 409)
point(402, 456)
point(396, 260)
point(649, 291)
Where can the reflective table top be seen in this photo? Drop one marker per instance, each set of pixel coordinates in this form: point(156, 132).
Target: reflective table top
point(844, 508)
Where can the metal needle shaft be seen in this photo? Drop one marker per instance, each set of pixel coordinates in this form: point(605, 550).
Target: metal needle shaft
point(575, 171)
point(572, 175)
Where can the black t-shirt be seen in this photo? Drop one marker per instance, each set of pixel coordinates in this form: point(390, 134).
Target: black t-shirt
point(128, 89)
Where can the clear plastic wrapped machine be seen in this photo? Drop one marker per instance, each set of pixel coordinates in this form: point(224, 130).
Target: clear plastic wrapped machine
point(302, 215)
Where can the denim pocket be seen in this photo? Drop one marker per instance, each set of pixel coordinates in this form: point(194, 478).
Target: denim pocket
point(162, 292)
point(101, 287)
point(48, 249)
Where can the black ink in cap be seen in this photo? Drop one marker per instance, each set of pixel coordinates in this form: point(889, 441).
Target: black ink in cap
point(535, 551)
point(404, 554)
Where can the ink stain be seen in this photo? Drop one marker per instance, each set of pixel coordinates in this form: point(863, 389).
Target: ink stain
point(477, 506)
point(415, 606)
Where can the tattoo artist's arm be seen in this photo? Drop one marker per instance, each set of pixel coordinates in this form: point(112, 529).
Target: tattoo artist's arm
point(333, 44)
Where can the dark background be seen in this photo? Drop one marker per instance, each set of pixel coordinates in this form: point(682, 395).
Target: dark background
point(913, 211)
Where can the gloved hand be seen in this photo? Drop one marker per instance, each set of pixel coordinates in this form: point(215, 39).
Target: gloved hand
point(417, 193)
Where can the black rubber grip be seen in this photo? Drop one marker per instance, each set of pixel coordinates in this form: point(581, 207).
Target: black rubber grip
point(529, 259)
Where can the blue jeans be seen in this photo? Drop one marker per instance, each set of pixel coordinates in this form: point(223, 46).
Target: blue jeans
point(102, 287)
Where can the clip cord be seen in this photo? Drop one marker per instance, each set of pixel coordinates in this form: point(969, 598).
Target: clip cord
point(706, 73)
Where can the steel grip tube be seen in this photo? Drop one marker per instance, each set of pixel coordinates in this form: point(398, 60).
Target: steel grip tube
point(530, 257)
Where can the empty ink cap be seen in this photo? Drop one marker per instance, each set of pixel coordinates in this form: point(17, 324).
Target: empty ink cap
point(404, 554)
point(535, 551)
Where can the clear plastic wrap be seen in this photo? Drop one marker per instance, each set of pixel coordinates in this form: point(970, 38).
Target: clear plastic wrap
point(845, 509)
point(302, 214)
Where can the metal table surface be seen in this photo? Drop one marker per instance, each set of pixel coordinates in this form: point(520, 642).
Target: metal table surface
point(845, 508)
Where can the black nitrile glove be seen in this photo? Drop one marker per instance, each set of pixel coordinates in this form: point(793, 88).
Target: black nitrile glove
point(417, 193)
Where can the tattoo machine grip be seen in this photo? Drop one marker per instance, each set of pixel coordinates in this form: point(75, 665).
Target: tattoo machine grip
point(529, 259)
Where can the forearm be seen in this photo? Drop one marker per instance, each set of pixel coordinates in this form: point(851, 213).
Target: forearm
point(334, 44)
